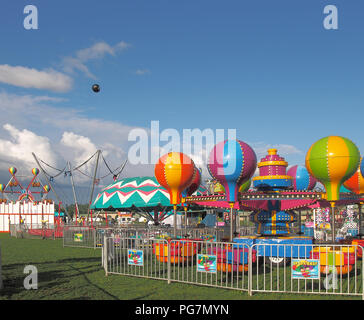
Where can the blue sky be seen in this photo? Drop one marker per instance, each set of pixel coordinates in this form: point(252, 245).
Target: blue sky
point(267, 68)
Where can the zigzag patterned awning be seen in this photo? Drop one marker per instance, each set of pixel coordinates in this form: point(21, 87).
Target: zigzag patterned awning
point(140, 192)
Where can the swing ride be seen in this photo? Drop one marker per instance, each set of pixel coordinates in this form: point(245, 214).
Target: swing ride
point(26, 203)
point(84, 178)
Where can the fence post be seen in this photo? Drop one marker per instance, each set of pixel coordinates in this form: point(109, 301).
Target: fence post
point(95, 235)
point(105, 255)
point(102, 256)
point(169, 261)
point(250, 271)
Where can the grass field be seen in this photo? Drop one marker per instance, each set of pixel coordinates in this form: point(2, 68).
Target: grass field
point(76, 273)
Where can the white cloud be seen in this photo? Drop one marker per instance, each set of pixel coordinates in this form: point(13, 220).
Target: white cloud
point(32, 78)
point(97, 51)
point(18, 149)
point(72, 136)
point(81, 146)
point(57, 134)
point(141, 72)
point(50, 79)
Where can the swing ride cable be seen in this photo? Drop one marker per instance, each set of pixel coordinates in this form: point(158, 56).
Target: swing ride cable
point(122, 168)
point(60, 190)
point(82, 164)
point(112, 172)
point(65, 197)
point(49, 175)
point(82, 173)
point(81, 190)
point(115, 172)
point(107, 166)
point(54, 191)
point(50, 165)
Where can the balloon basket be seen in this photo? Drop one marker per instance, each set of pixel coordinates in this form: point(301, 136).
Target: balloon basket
point(226, 267)
point(232, 258)
point(341, 258)
point(179, 252)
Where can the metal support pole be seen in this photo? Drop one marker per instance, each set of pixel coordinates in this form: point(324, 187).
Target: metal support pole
point(105, 255)
point(186, 208)
point(174, 221)
point(93, 183)
point(250, 272)
point(169, 260)
point(73, 189)
point(333, 221)
point(231, 220)
point(236, 222)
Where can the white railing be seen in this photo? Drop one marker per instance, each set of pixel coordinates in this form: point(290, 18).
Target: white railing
point(280, 268)
point(313, 269)
point(81, 236)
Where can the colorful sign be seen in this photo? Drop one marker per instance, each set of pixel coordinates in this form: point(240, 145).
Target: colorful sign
point(78, 237)
point(305, 268)
point(135, 257)
point(208, 237)
point(206, 263)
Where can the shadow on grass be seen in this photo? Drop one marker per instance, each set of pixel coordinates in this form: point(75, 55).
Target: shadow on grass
point(94, 285)
point(51, 278)
point(142, 297)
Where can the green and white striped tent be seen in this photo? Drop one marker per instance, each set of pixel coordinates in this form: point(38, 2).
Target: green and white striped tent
point(143, 194)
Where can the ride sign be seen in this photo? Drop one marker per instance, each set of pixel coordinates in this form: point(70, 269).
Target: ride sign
point(305, 269)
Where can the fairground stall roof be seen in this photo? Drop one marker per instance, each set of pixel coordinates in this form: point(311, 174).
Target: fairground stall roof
point(139, 192)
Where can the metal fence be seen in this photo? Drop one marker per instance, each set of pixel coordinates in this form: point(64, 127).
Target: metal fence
point(301, 268)
point(217, 264)
point(124, 257)
point(313, 269)
point(82, 236)
point(208, 234)
point(79, 236)
point(36, 231)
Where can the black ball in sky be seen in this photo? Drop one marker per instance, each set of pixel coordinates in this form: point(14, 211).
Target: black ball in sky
point(95, 88)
